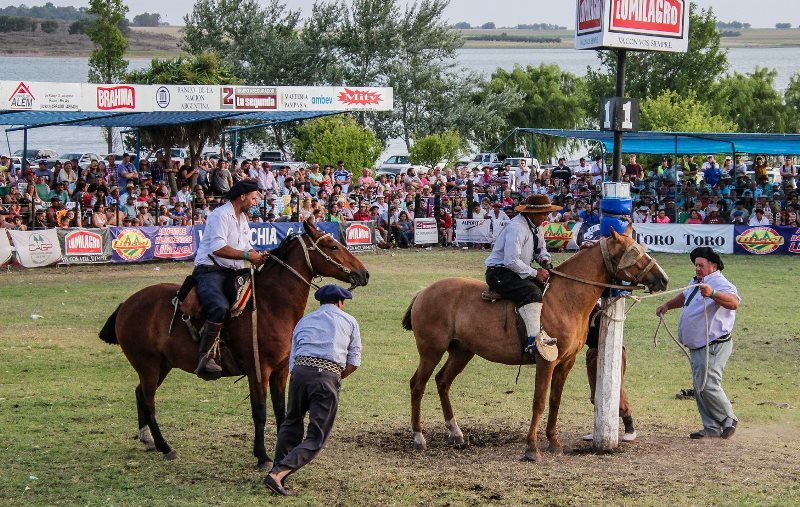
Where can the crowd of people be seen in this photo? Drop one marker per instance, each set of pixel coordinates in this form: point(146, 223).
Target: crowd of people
point(166, 192)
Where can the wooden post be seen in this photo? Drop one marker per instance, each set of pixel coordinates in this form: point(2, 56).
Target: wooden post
point(609, 378)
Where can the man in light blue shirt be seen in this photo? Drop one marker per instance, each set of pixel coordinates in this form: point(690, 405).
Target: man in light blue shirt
point(326, 347)
point(717, 300)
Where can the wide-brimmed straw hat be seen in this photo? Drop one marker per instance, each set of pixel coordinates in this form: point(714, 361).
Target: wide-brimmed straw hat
point(538, 203)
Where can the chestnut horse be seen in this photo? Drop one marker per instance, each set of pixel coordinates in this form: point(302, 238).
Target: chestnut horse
point(141, 324)
point(450, 316)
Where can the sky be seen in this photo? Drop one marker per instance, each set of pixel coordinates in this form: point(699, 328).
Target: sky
point(759, 13)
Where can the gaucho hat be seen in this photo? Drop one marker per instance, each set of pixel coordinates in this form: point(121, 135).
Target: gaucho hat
point(708, 254)
point(538, 203)
point(241, 188)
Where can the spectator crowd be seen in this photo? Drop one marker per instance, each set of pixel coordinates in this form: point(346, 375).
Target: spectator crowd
point(166, 192)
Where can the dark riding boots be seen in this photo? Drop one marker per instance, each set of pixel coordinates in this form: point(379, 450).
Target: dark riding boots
point(207, 367)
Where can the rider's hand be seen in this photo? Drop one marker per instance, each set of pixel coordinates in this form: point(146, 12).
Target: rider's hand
point(542, 275)
point(661, 310)
point(255, 257)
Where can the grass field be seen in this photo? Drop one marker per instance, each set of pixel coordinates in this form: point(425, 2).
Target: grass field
point(68, 415)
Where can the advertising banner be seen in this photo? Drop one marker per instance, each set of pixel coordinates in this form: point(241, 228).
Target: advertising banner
point(174, 243)
point(36, 249)
point(332, 98)
point(358, 236)
point(561, 236)
point(132, 244)
point(497, 227)
point(85, 246)
point(6, 251)
point(39, 96)
point(473, 230)
point(766, 240)
point(425, 232)
point(185, 98)
point(112, 98)
point(682, 238)
point(647, 25)
point(268, 236)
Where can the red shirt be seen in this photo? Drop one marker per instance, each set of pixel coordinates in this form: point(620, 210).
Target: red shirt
point(358, 216)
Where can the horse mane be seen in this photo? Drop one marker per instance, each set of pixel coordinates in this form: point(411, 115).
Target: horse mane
point(577, 256)
point(282, 250)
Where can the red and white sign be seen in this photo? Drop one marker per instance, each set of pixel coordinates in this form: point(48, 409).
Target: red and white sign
point(358, 234)
point(111, 98)
point(425, 231)
point(249, 98)
point(117, 98)
point(35, 96)
point(83, 243)
point(646, 25)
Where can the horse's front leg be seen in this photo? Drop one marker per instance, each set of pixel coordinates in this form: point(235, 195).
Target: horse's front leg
point(277, 391)
point(556, 388)
point(544, 372)
point(258, 406)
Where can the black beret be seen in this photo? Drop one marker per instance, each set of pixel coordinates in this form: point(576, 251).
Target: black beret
point(707, 253)
point(332, 293)
point(241, 188)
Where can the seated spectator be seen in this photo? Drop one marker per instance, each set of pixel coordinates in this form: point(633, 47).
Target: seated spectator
point(405, 230)
point(662, 217)
point(739, 215)
point(758, 219)
point(362, 215)
point(694, 217)
point(99, 218)
point(713, 217)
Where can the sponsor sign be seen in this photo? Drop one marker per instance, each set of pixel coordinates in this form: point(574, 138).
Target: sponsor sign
point(131, 244)
point(36, 96)
point(82, 246)
point(498, 226)
point(473, 230)
point(176, 243)
point(793, 244)
point(268, 236)
point(648, 25)
point(559, 235)
point(50, 96)
point(682, 238)
point(425, 231)
point(5, 248)
point(249, 98)
point(590, 234)
point(762, 240)
point(358, 236)
point(185, 98)
point(36, 248)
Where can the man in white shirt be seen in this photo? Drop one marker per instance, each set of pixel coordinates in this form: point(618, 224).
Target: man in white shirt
point(266, 180)
point(224, 247)
point(522, 174)
point(758, 219)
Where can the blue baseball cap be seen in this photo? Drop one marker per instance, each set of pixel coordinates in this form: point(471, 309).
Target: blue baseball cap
point(331, 293)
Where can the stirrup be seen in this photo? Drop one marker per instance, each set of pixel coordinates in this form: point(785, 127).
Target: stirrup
point(544, 345)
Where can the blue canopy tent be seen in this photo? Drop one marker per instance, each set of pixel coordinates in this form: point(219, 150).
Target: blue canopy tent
point(660, 143)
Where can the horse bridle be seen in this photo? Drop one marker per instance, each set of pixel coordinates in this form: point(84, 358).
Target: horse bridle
point(629, 258)
point(306, 249)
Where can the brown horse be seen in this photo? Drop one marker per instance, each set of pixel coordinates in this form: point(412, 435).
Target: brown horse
point(141, 324)
point(450, 316)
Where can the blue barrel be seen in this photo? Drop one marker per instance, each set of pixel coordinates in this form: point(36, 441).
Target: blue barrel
point(613, 210)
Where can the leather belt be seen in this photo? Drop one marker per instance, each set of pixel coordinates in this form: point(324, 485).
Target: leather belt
point(721, 339)
point(318, 362)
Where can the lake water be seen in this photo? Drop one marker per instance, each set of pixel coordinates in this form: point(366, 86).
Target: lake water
point(63, 139)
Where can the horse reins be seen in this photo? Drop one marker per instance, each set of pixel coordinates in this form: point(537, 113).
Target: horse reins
point(629, 261)
point(306, 249)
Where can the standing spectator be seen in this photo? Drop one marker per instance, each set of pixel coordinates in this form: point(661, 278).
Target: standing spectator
point(93, 173)
point(714, 303)
point(561, 173)
point(222, 180)
point(760, 169)
point(788, 175)
point(188, 173)
point(712, 174)
point(127, 171)
point(43, 172)
point(342, 176)
point(326, 348)
point(633, 168)
point(598, 170)
point(523, 174)
point(366, 180)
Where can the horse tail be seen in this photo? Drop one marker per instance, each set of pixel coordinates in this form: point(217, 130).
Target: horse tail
point(407, 317)
point(109, 334)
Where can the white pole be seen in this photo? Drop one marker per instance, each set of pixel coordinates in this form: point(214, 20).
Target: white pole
point(609, 378)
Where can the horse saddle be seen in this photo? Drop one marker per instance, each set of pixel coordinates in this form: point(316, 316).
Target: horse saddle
point(238, 289)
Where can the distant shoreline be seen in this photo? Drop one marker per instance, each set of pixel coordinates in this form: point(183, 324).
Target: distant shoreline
point(165, 42)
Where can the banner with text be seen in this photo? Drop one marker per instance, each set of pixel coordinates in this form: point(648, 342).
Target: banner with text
point(358, 236)
point(425, 232)
point(473, 230)
point(682, 238)
point(267, 236)
point(36, 249)
point(559, 235)
point(766, 240)
point(85, 246)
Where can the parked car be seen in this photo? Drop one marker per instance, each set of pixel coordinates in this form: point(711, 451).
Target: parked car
point(176, 155)
point(484, 159)
point(394, 165)
point(37, 153)
point(272, 156)
point(84, 159)
point(208, 155)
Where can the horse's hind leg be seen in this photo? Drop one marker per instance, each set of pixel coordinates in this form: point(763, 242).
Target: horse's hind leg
point(145, 436)
point(556, 388)
point(418, 381)
point(457, 359)
point(149, 382)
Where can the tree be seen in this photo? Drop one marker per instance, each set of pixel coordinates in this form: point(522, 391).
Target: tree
point(204, 69)
point(551, 98)
point(671, 112)
point(462, 25)
point(49, 26)
point(751, 101)
point(489, 25)
point(649, 73)
point(147, 19)
point(430, 149)
point(106, 63)
point(792, 101)
point(338, 137)
point(783, 26)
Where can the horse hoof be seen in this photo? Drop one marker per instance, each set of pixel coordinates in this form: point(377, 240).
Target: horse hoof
point(457, 441)
point(557, 450)
point(265, 464)
point(419, 442)
point(149, 446)
point(531, 455)
point(171, 455)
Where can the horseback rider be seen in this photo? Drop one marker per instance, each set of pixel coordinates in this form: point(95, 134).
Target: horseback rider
point(224, 248)
point(509, 271)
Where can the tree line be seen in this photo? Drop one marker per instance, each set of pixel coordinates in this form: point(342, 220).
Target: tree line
point(413, 49)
